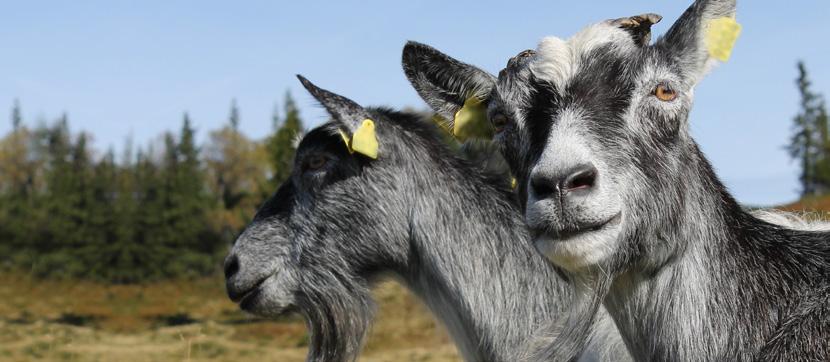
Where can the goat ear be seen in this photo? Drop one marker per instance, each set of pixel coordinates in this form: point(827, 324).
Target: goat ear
point(443, 82)
point(639, 26)
point(703, 34)
point(346, 112)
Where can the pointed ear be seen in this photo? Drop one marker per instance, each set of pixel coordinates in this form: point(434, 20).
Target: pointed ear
point(689, 40)
point(349, 114)
point(639, 26)
point(443, 82)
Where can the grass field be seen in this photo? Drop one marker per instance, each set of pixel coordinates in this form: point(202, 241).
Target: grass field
point(188, 320)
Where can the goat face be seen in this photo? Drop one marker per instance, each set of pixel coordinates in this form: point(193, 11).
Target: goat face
point(594, 127)
point(328, 229)
point(340, 220)
point(297, 242)
point(328, 226)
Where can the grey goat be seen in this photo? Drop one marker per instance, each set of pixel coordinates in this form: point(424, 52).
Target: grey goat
point(620, 197)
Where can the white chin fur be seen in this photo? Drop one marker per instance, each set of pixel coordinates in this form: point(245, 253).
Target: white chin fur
point(580, 251)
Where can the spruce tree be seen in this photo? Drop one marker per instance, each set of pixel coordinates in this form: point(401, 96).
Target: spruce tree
point(85, 234)
point(17, 118)
point(147, 255)
point(58, 234)
point(102, 220)
point(189, 188)
point(189, 209)
point(280, 145)
point(16, 176)
point(124, 248)
point(810, 143)
point(13, 189)
point(233, 117)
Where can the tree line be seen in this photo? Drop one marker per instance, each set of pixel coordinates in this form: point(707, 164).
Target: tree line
point(170, 208)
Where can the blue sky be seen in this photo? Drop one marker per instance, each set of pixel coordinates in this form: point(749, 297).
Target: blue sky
point(132, 68)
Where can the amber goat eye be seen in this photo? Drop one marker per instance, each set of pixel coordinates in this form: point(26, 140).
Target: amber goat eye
point(499, 122)
point(665, 93)
point(315, 162)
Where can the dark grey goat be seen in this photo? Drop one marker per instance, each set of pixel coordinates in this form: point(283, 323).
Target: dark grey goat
point(618, 194)
point(418, 213)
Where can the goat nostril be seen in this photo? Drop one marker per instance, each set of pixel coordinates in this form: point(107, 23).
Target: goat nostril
point(231, 267)
point(582, 179)
point(542, 188)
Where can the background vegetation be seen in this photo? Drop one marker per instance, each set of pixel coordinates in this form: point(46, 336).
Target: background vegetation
point(167, 209)
point(810, 141)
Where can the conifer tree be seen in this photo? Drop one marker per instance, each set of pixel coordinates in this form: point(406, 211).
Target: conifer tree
point(14, 190)
point(280, 145)
point(85, 234)
point(146, 255)
point(17, 118)
point(57, 202)
point(809, 143)
point(188, 209)
point(101, 219)
point(233, 117)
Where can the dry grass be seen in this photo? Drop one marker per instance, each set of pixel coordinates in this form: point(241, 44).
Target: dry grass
point(818, 205)
point(189, 320)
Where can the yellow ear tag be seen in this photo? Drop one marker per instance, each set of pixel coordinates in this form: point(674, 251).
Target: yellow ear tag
point(513, 183)
point(364, 140)
point(721, 36)
point(347, 140)
point(472, 112)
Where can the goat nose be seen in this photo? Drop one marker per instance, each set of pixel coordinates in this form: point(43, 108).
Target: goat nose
point(582, 177)
point(231, 266)
point(576, 179)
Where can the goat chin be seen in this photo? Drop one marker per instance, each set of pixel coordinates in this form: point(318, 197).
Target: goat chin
point(805, 221)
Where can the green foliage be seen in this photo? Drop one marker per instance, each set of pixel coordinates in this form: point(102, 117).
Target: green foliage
point(237, 174)
point(281, 145)
point(810, 142)
point(169, 210)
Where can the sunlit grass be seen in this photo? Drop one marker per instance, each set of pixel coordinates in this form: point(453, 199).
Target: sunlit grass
point(185, 320)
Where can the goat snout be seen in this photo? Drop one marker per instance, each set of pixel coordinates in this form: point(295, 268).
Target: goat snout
point(235, 286)
point(239, 284)
point(572, 181)
point(231, 266)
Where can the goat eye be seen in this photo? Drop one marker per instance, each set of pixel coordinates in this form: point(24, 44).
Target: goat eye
point(499, 122)
point(315, 162)
point(664, 92)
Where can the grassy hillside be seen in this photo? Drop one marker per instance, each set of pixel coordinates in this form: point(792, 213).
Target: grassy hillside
point(187, 320)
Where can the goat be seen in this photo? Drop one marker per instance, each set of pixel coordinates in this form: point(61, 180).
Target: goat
point(450, 233)
point(619, 196)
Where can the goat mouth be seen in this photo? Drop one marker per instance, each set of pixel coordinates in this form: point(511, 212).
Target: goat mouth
point(247, 301)
point(567, 233)
point(240, 297)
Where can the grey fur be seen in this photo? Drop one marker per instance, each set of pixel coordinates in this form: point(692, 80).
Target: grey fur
point(690, 275)
point(449, 232)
